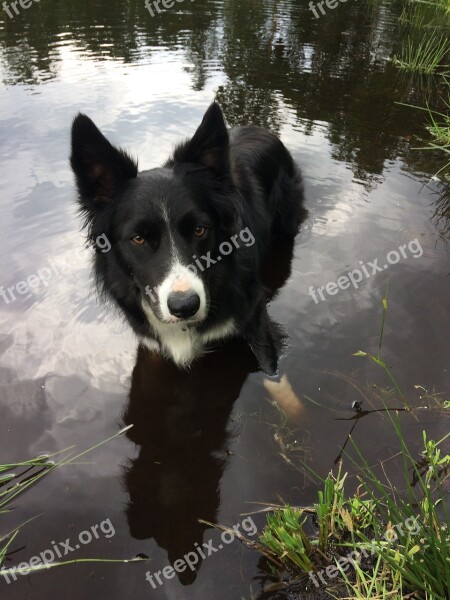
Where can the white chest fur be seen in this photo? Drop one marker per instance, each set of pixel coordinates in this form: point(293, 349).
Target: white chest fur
point(181, 343)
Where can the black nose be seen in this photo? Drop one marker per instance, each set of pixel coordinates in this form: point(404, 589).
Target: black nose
point(183, 304)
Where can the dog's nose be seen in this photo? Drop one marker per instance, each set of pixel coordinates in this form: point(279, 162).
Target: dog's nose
point(183, 304)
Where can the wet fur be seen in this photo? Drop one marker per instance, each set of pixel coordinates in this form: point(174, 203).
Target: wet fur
point(243, 178)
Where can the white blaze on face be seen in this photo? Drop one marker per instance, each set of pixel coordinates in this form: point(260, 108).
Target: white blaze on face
point(181, 279)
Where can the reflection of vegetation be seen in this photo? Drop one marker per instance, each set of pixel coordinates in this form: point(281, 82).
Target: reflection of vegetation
point(242, 105)
point(330, 77)
point(426, 13)
point(333, 75)
point(442, 211)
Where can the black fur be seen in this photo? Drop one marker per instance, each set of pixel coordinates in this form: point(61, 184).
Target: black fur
point(226, 180)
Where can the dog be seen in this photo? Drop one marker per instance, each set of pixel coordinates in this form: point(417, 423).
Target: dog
point(188, 239)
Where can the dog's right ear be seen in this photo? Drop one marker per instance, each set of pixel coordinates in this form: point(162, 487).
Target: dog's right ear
point(209, 147)
point(100, 168)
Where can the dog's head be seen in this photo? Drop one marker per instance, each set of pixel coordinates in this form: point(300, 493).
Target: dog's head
point(162, 225)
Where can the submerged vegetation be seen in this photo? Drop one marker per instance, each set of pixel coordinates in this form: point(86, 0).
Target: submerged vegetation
point(396, 540)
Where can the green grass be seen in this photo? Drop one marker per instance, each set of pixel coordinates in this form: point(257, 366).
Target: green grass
point(426, 14)
point(426, 26)
point(380, 584)
point(408, 534)
point(401, 532)
point(424, 56)
point(17, 478)
point(439, 128)
point(378, 360)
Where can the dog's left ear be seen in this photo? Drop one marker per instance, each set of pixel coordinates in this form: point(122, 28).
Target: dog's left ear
point(266, 339)
point(210, 144)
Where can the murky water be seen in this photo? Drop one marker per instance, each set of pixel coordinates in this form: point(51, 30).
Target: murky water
point(211, 443)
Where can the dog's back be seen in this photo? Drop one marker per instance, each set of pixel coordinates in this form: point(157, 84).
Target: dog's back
point(263, 167)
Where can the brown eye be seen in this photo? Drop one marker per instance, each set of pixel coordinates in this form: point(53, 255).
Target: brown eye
point(199, 231)
point(138, 240)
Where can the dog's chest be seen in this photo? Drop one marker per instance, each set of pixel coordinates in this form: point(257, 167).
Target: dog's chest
point(181, 344)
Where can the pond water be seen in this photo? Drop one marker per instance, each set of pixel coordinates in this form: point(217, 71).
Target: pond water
point(213, 443)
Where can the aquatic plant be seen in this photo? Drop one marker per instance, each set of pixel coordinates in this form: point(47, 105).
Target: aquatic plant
point(439, 128)
point(404, 560)
point(424, 56)
point(16, 478)
point(371, 523)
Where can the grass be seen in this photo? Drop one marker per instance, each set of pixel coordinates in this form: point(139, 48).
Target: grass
point(401, 541)
point(374, 586)
point(426, 13)
point(424, 56)
point(399, 538)
point(426, 24)
point(439, 128)
point(17, 478)
point(378, 360)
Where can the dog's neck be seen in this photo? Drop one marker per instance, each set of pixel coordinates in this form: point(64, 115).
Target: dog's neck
point(181, 343)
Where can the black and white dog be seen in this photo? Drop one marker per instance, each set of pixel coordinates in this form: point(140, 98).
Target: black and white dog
point(188, 239)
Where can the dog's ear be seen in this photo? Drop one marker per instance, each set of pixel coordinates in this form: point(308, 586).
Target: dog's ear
point(209, 147)
point(266, 339)
point(100, 168)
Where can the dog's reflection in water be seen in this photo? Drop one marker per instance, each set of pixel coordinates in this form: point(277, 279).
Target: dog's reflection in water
point(180, 423)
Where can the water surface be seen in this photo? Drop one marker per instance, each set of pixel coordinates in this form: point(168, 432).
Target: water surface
point(212, 443)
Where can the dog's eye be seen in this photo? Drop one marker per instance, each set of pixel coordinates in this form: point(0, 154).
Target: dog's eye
point(199, 231)
point(137, 240)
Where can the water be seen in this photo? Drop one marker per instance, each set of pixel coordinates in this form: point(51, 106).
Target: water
point(211, 444)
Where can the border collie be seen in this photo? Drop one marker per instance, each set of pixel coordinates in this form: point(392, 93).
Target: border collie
point(188, 238)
